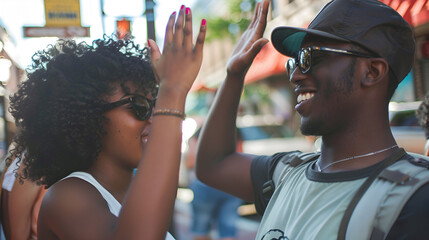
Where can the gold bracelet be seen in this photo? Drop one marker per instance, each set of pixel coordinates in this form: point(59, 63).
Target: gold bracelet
point(169, 112)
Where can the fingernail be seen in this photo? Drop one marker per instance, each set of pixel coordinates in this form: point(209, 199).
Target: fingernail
point(188, 10)
point(203, 22)
point(174, 13)
point(181, 7)
point(148, 43)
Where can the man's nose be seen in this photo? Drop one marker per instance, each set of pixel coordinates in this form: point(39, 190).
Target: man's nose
point(297, 76)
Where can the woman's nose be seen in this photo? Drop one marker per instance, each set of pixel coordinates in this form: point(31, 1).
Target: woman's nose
point(149, 120)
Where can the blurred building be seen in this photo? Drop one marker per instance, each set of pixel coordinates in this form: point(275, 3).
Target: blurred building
point(266, 74)
point(11, 74)
point(267, 91)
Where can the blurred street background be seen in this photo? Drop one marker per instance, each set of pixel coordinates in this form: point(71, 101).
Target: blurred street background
point(267, 121)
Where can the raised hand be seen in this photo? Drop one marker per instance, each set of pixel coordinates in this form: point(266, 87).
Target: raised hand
point(179, 64)
point(251, 42)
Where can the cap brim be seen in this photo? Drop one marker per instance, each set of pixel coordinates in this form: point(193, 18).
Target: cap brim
point(288, 40)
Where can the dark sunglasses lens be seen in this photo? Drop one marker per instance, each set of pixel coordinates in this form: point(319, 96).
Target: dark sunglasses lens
point(304, 60)
point(141, 113)
point(290, 67)
point(142, 108)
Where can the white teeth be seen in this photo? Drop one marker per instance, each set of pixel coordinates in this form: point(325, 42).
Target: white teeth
point(304, 96)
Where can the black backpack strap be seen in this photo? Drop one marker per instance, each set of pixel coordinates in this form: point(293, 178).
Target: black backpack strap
point(261, 171)
point(378, 209)
point(293, 159)
point(361, 191)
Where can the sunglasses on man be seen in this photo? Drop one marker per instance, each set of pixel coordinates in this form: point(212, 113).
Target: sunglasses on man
point(140, 105)
point(303, 60)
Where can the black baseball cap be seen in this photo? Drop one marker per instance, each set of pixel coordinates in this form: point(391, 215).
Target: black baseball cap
point(368, 23)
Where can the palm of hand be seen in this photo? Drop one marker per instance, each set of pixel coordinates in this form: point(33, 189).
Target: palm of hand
point(181, 60)
point(178, 65)
point(250, 43)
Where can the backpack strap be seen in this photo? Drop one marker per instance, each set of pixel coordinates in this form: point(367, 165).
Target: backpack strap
point(380, 206)
point(361, 191)
point(293, 159)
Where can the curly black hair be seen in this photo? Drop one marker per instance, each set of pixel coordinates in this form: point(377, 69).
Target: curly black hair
point(58, 110)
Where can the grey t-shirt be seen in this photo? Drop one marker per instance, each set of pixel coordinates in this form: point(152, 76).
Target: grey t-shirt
point(310, 204)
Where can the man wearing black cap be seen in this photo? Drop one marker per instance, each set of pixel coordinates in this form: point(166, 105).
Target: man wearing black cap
point(345, 68)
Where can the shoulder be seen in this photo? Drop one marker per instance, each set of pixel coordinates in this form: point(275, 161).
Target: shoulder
point(414, 217)
point(418, 160)
point(271, 161)
point(267, 164)
point(418, 200)
point(263, 167)
point(72, 205)
point(265, 171)
point(73, 192)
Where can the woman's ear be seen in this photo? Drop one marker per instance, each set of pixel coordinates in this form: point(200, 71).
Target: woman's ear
point(377, 70)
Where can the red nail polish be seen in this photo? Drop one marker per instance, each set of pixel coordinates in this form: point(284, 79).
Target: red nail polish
point(203, 22)
point(148, 43)
point(173, 13)
point(181, 7)
point(188, 10)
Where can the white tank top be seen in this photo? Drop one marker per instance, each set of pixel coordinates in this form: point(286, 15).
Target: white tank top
point(114, 205)
point(9, 176)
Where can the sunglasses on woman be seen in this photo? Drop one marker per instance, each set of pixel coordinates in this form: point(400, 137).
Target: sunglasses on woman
point(304, 56)
point(140, 105)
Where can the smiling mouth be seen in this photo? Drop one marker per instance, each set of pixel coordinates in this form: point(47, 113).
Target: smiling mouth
point(304, 96)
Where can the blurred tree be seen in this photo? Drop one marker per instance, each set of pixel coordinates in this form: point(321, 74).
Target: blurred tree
point(225, 18)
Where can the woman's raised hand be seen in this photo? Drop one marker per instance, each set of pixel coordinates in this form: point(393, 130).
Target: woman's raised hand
point(251, 42)
point(178, 65)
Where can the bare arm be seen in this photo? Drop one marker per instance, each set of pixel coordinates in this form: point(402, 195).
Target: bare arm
point(147, 209)
point(218, 163)
point(21, 204)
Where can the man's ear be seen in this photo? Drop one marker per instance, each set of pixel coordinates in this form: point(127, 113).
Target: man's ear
point(377, 69)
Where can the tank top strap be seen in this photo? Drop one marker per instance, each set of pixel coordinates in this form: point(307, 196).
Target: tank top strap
point(114, 205)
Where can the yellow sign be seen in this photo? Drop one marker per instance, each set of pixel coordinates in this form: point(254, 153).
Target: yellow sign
point(62, 13)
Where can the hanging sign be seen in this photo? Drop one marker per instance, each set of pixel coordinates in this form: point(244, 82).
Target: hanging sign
point(62, 13)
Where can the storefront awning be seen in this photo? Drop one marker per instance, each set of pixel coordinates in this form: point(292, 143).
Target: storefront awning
point(416, 12)
point(268, 62)
point(198, 86)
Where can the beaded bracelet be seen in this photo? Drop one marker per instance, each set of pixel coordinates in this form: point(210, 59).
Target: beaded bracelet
point(169, 112)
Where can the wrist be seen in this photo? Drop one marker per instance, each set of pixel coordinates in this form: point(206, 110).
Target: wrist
point(169, 112)
point(236, 80)
point(169, 97)
point(236, 76)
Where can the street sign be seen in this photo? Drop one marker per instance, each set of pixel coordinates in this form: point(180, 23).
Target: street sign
point(61, 32)
point(62, 13)
point(62, 20)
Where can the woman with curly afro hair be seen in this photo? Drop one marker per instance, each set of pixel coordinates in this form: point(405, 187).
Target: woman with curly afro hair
point(88, 115)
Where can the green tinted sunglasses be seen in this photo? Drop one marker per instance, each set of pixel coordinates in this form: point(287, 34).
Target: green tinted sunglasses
point(303, 59)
